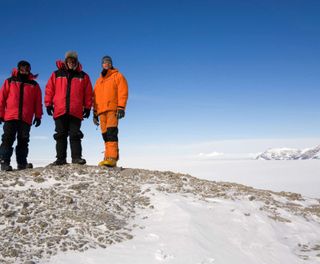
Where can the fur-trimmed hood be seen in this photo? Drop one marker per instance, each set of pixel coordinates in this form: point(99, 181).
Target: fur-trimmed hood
point(61, 65)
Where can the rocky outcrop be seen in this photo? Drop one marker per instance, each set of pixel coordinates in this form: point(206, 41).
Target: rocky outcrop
point(73, 207)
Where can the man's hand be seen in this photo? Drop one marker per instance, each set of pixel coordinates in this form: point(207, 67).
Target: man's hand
point(120, 113)
point(1, 120)
point(96, 120)
point(50, 110)
point(36, 122)
point(86, 113)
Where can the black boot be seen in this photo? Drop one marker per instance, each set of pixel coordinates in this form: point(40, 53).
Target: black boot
point(59, 162)
point(25, 166)
point(5, 166)
point(79, 161)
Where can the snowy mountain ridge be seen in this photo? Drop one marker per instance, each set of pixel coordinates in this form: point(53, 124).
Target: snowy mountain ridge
point(290, 154)
point(87, 214)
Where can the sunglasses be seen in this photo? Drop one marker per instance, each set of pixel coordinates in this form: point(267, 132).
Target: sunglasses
point(25, 68)
point(71, 60)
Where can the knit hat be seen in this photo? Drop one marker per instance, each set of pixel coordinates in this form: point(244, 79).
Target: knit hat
point(106, 59)
point(23, 63)
point(71, 54)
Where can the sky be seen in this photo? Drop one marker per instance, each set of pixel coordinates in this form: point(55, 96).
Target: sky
point(198, 71)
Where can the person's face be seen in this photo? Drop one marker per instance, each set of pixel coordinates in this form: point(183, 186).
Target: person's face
point(106, 65)
point(24, 69)
point(71, 63)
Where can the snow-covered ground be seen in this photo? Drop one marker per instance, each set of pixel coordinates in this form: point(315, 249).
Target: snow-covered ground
point(182, 229)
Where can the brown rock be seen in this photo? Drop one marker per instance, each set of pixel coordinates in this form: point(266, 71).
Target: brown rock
point(9, 213)
point(35, 173)
point(64, 231)
point(39, 179)
point(69, 200)
point(23, 219)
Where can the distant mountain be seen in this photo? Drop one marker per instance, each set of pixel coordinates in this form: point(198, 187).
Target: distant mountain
point(290, 154)
point(312, 153)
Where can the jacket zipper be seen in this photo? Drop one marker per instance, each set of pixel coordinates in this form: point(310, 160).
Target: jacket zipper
point(21, 100)
point(68, 93)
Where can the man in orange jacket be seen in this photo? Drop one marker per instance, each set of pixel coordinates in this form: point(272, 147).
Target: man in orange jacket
point(110, 100)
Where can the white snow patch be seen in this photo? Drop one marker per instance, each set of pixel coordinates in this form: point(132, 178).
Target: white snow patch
point(181, 229)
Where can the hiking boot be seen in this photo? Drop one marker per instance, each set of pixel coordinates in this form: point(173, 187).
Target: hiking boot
point(59, 162)
point(24, 166)
point(109, 162)
point(79, 161)
point(6, 167)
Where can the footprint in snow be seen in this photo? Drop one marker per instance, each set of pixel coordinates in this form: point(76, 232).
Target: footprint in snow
point(151, 237)
point(160, 255)
point(207, 261)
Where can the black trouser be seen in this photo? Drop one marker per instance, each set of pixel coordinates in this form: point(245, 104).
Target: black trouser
point(11, 129)
point(67, 125)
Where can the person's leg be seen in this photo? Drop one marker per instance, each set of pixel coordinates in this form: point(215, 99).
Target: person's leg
point(8, 138)
point(75, 136)
point(103, 128)
point(61, 128)
point(22, 150)
point(109, 130)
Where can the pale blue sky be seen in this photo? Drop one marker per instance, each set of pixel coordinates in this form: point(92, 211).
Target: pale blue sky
point(197, 70)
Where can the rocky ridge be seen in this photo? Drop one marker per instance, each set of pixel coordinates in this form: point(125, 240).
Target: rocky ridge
point(73, 207)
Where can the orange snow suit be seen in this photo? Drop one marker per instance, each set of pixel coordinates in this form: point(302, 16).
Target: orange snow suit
point(110, 94)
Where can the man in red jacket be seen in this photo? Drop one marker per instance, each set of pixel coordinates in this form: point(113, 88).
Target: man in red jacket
point(68, 97)
point(20, 101)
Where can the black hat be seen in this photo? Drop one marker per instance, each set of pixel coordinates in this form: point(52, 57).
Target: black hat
point(106, 59)
point(23, 63)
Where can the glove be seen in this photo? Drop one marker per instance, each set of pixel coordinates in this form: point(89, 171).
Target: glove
point(50, 110)
point(1, 120)
point(96, 120)
point(36, 122)
point(120, 113)
point(86, 113)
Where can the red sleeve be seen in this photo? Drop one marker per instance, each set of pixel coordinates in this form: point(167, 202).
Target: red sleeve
point(3, 97)
point(94, 97)
point(38, 106)
point(88, 93)
point(50, 90)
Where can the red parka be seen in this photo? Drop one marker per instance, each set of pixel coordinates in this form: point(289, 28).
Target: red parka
point(69, 92)
point(20, 100)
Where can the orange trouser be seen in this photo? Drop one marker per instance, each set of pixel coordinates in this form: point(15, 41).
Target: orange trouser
point(109, 130)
